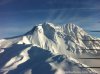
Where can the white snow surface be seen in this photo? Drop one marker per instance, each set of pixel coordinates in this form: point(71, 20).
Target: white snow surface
point(48, 49)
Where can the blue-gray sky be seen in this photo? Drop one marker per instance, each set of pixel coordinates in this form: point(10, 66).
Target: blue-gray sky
point(19, 16)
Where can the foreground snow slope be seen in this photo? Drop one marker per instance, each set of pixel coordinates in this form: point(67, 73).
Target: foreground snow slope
point(47, 49)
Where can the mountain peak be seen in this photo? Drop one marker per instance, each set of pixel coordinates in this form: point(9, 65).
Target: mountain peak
point(33, 49)
point(60, 35)
point(51, 26)
point(48, 24)
point(73, 26)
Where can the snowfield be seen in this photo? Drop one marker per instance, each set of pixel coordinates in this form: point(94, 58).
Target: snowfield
point(49, 49)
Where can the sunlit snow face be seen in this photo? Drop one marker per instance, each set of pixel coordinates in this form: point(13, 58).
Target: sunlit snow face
point(40, 29)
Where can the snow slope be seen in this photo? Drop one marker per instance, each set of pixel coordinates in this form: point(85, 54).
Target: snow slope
point(48, 49)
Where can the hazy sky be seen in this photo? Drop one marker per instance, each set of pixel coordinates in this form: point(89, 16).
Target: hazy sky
point(19, 16)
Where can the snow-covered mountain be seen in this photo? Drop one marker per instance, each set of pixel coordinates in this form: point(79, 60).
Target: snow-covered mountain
point(48, 49)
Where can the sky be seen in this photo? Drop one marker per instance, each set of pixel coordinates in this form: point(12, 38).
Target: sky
point(19, 16)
